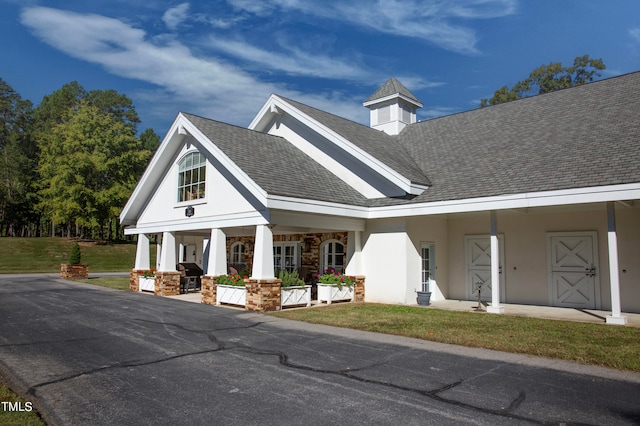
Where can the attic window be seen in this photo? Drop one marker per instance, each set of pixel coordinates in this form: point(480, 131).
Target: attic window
point(191, 177)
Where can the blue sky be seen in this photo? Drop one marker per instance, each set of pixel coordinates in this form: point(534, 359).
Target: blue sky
point(222, 59)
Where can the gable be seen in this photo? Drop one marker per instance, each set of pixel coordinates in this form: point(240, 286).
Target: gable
point(370, 161)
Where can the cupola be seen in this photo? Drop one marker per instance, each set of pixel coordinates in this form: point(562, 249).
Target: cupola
point(392, 107)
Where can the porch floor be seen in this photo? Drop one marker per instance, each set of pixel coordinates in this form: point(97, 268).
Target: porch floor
point(545, 312)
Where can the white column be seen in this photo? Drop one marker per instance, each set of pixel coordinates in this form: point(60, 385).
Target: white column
point(263, 253)
point(158, 253)
point(614, 274)
point(495, 307)
point(142, 253)
point(217, 262)
point(168, 254)
point(354, 253)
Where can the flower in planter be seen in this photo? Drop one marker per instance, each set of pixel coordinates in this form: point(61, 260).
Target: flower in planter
point(150, 273)
point(330, 276)
point(231, 279)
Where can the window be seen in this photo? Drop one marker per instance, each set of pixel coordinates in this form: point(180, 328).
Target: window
point(237, 253)
point(332, 256)
point(191, 177)
point(428, 266)
point(285, 256)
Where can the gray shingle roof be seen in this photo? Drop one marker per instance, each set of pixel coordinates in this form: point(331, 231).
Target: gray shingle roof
point(579, 137)
point(276, 165)
point(380, 145)
point(389, 88)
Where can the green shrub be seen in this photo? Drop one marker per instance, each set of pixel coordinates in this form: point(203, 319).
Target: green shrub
point(290, 279)
point(75, 257)
point(231, 279)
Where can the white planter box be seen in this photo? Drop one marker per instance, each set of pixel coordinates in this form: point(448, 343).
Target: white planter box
point(231, 294)
point(331, 293)
point(147, 284)
point(293, 296)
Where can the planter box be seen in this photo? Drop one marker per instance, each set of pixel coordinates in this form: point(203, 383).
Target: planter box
point(147, 284)
point(231, 294)
point(295, 296)
point(332, 293)
point(71, 272)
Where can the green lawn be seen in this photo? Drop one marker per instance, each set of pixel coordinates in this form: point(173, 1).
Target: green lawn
point(22, 418)
point(586, 343)
point(23, 255)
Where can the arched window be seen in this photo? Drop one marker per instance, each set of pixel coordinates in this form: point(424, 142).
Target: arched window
point(237, 253)
point(332, 256)
point(191, 177)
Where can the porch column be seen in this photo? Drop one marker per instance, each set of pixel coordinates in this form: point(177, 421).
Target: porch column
point(495, 307)
point(354, 248)
point(142, 253)
point(217, 259)
point(168, 253)
point(158, 253)
point(263, 253)
point(614, 274)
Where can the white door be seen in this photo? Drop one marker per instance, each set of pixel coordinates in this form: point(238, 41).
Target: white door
point(428, 266)
point(573, 270)
point(478, 261)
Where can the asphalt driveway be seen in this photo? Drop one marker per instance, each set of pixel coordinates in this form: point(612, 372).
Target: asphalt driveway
point(90, 355)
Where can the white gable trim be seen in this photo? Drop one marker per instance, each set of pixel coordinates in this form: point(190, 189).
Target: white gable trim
point(275, 104)
point(162, 161)
point(205, 223)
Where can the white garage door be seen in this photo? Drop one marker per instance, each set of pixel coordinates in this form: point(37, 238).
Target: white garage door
point(573, 270)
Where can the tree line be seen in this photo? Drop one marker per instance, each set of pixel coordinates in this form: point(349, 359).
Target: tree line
point(68, 166)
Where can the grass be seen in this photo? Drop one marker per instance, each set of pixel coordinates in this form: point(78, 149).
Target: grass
point(26, 418)
point(586, 343)
point(118, 283)
point(23, 255)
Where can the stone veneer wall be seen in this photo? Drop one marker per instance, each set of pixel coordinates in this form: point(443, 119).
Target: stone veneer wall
point(134, 279)
point(262, 294)
point(167, 283)
point(209, 289)
point(358, 289)
point(72, 272)
point(309, 259)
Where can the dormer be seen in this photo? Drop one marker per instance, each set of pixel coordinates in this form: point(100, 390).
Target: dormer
point(392, 107)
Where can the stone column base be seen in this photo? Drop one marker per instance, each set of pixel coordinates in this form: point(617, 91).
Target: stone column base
point(358, 289)
point(134, 279)
point(167, 283)
point(209, 289)
point(262, 294)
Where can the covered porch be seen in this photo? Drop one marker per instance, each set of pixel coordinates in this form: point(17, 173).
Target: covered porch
point(307, 244)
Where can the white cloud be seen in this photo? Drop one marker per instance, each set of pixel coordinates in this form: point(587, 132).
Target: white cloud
point(292, 61)
point(175, 16)
point(434, 21)
point(635, 34)
point(200, 85)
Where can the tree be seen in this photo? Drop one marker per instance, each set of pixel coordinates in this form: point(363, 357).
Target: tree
point(89, 164)
point(17, 162)
point(548, 78)
point(150, 140)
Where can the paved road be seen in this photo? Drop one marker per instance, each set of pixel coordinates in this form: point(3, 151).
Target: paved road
point(90, 355)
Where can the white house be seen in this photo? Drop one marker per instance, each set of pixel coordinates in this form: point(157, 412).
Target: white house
point(534, 201)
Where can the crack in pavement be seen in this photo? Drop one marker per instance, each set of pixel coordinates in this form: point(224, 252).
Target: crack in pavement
point(46, 342)
point(283, 358)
